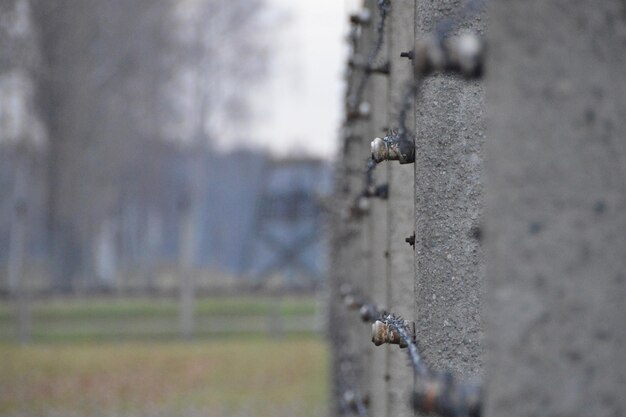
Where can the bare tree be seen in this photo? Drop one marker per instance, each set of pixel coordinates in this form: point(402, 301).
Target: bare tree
point(21, 131)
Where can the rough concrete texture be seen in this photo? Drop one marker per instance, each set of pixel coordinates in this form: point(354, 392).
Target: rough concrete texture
point(448, 210)
point(376, 226)
point(556, 222)
point(400, 268)
point(349, 337)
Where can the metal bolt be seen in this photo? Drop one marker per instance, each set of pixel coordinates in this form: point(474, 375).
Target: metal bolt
point(381, 191)
point(463, 54)
point(361, 112)
point(352, 302)
point(368, 312)
point(393, 148)
point(345, 289)
point(466, 54)
point(383, 69)
point(351, 398)
point(379, 332)
point(361, 17)
point(357, 61)
point(410, 240)
point(363, 204)
point(441, 394)
point(428, 55)
point(383, 333)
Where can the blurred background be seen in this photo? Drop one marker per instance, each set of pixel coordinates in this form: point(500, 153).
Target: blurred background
point(163, 171)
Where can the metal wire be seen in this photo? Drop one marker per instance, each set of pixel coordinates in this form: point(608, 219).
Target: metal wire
point(445, 26)
point(397, 323)
point(440, 393)
point(384, 6)
point(351, 402)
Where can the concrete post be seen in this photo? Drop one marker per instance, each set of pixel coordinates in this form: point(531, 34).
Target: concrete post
point(349, 246)
point(555, 220)
point(377, 227)
point(400, 268)
point(449, 204)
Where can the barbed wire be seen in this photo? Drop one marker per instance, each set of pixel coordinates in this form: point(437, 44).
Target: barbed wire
point(352, 403)
point(434, 392)
point(445, 26)
point(384, 6)
point(353, 300)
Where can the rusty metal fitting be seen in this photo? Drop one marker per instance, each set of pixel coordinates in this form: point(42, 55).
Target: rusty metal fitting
point(441, 394)
point(425, 398)
point(351, 399)
point(466, 54)
point(357, 62)
point(382, 69)
point(363, 205)
point(362, 111)
point(369, 312)
point(383, 333)
point(352, 302)
point(379, 332)
point(393, 148)
point(361, 17)
point(463, 54)
point(380, 191)
point(358, 209)
point(345, 289)
point(428, 55)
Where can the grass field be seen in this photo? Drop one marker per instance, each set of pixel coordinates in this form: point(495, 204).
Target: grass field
point(98, 358)
point(105, 319)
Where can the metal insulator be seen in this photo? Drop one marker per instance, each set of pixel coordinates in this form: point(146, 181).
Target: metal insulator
point(393, 148)
point(352, 302)
point(345, 289)
point(369, 312)
point(383, 333)
point(428, 55)
point(351, 399)
point(444, 396)
point(363, 205)
point(382, 69)
point(362, 111)
point(361, 17)
point(464, 54)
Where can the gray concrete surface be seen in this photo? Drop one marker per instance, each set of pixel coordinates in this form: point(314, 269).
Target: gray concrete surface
point(449, 203)
point(400, 268)
point(349, 337)
point(556, 209)
point(377, 229)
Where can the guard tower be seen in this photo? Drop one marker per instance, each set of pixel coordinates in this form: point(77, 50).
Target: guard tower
point(284, 242)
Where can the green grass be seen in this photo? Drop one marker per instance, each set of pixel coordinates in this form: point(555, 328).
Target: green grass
point(258, 356)
point(82, 320)
point(210, 378)
point(132, 307)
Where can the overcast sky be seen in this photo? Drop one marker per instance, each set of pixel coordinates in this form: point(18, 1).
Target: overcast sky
point(299, 109)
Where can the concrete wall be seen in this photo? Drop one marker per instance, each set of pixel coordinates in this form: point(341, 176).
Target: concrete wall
point(401, 208)
point(448, 209)
point(556, 209)
point(543, 304)
point(439, 283)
